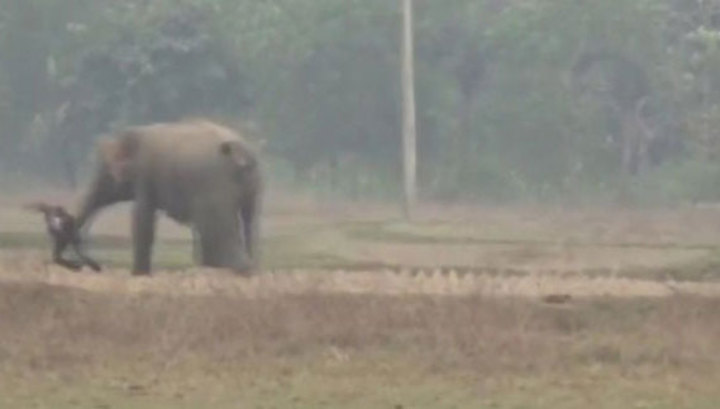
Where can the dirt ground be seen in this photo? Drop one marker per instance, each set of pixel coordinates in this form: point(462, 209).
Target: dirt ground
point(466, 307)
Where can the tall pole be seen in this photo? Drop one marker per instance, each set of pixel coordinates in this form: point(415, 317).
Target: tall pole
point(409, 127)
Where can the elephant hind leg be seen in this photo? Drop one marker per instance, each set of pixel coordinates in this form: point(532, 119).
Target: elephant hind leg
point(221, 243)
point(249, 221)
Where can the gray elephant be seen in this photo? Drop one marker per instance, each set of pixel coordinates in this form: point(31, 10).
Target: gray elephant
point(199, 173)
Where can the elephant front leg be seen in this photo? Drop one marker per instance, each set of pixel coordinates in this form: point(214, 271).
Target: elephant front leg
point(143, 236)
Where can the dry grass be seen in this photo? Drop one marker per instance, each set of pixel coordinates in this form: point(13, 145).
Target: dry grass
point(65, 328)
point(187, 338)
point(204, 282)
point(149, 342)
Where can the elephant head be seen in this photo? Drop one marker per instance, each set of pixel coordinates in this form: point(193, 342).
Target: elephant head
point(112, 182)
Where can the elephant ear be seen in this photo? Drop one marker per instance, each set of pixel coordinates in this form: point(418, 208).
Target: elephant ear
point(118, 154)
point(239, 154)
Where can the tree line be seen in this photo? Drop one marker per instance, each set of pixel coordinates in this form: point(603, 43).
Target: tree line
point(516, 100)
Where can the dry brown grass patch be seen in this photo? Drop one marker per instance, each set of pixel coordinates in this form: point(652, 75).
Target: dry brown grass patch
point(47, 329)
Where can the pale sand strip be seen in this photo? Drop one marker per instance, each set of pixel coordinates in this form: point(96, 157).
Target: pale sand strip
point(207, 282)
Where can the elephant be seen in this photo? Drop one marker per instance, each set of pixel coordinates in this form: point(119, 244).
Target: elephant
point(199, 173)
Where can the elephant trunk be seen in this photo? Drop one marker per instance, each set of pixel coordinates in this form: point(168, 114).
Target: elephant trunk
point(103, 191)
point(89, 204)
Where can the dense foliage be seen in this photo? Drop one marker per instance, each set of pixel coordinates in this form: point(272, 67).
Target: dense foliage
point(536, 99)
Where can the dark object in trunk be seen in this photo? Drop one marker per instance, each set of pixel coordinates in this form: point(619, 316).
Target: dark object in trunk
point(63, 230)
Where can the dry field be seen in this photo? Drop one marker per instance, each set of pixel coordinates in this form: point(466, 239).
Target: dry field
point(357, 309)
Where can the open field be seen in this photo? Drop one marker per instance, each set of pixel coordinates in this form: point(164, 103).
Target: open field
point(660, 244)
point(69, 348)
point(357, 309)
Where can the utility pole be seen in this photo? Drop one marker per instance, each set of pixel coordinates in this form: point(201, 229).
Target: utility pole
point(409, 122)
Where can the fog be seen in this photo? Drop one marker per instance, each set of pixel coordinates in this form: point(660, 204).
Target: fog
point(533, 101)
point(563, 250)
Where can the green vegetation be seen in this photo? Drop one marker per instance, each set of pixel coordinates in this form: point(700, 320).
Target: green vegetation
point(533, 100)
point(503, 248)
